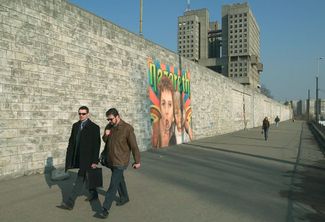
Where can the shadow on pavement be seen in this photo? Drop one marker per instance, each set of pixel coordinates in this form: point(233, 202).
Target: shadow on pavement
point(198, 172)
point(253, 155)
point(307, 192)
point(65, 184)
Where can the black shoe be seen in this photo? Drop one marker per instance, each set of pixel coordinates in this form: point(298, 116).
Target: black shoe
point(65, 206)
point(103, 214)
point(91, 198)
point(122, 202)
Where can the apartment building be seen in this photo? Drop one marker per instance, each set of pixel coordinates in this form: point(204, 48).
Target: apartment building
point(192, 34)
point(232, 49)
point(241, 44)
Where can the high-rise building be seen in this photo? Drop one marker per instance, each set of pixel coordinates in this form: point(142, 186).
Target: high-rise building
point(233, 50)
point(215, 40)
point(199, 39)
point(192, 34)
point(241, 44)
point(306, 109)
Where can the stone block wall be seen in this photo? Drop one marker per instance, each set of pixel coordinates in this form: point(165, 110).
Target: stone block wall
point(55, 57)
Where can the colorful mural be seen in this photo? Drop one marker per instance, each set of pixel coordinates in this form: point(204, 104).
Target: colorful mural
point(170, 109)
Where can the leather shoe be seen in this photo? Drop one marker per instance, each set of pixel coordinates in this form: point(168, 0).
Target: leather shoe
point(104, 213)
point(91, 198)
point(122, 202)
point(65, 206)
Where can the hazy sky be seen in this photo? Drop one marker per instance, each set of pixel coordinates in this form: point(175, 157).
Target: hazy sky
point(292, 35)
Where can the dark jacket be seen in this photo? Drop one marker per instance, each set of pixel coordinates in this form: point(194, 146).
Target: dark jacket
point(104, 154)
point(89, 145)
point(120, 143)
point(266, 124)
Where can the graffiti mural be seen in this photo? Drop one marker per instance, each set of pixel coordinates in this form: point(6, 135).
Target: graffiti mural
point(170, 110)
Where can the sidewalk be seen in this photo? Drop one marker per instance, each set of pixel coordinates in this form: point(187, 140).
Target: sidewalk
point(232, 177)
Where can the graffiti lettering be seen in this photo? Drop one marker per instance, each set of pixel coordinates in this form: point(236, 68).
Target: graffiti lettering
point(181, 83)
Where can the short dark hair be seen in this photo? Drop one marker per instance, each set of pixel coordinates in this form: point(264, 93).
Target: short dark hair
point(165, 84)
point(85, 108)
point(112, 111)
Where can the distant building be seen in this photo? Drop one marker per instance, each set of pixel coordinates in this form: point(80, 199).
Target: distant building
point(296, 107)
point(301, 109)
point(312, 108)
point(233, 51)
point(200, 40)
point(322, 109)
point(192, 34)
point(214, 60)
point(241, 44)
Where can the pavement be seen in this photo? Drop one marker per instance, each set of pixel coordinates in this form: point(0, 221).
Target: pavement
point(233, 177)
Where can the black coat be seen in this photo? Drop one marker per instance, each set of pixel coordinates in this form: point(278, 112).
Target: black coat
point(89, 146)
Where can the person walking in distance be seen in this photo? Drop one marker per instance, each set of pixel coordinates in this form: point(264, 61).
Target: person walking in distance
point(82, 152)
point(265, 127)
point(121, 141)
point(277, 120)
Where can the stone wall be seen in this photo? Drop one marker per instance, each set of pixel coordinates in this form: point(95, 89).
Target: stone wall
point(55, 57)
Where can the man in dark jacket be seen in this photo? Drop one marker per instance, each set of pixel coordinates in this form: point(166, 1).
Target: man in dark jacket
point(82, 153)
point(120, 141)
point(277, 120)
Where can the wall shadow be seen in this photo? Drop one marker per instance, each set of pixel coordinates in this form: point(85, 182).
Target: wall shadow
point(306, 194)
point(251, 155)
point(305, 186)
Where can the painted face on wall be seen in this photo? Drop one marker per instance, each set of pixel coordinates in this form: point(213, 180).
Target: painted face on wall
point(166, 109)
point(178, 118)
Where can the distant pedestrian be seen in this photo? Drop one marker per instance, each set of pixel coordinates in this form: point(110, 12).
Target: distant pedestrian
point(277, 120)
point(120, 141)
point(265, 127)
point(82, 153)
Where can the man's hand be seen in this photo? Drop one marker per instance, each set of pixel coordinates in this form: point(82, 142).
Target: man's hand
point(107, 132)
point(136, 165)
point(93, 166)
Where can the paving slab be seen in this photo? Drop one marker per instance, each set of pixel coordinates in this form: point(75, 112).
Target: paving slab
point(233, 177)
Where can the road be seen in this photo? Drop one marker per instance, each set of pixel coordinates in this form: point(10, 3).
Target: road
point(232, 177)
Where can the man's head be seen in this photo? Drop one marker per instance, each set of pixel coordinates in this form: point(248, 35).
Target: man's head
point(83, 113)
point(113, 117)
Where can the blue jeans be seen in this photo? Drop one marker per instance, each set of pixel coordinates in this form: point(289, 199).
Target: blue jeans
point(266, 133)
point(117, 184)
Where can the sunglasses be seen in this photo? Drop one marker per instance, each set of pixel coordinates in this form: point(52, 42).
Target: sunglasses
point(82, 114)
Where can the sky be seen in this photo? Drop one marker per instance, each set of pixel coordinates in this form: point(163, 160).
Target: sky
point(292, 35)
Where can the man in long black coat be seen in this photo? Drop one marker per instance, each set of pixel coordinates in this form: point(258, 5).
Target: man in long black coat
point(82, 153)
